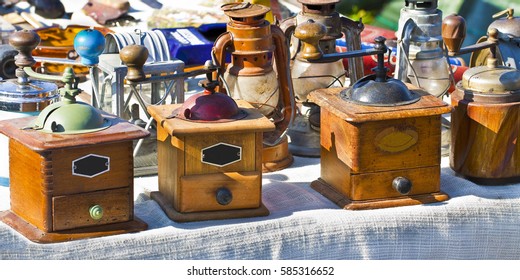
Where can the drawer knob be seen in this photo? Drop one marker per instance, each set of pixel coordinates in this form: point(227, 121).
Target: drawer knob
point(402, 185)
point(96, 212)
point(224, 196)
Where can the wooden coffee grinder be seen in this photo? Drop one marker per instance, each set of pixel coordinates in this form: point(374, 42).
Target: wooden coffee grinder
point(485, 121)
point(209, 151)
point(255, 45)
point(380, 138)
point(71, 167)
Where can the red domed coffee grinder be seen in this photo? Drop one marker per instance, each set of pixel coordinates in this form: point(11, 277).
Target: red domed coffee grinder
point(209, 151)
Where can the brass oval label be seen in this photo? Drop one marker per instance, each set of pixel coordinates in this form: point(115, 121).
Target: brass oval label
point(394, 139)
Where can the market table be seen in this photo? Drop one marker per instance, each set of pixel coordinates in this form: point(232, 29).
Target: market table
point(478, 222)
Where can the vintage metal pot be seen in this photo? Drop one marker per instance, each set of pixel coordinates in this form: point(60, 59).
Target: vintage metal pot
point(24, 94)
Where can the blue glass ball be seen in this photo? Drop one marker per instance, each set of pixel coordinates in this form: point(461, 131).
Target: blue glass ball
point(89, 44)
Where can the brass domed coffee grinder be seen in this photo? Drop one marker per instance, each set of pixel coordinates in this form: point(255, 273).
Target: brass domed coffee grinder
point(209, 151)
point(380, 138)
point(255, 46)
point(304, 135)
point(485, 120)
point(71, 167)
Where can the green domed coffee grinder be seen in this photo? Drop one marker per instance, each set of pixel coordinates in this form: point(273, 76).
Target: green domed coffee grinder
point(71, 169)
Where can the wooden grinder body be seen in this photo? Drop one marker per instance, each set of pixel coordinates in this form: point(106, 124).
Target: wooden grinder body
point(484, 138)
point(365, 148)
point(188, 184)
point(53, 185)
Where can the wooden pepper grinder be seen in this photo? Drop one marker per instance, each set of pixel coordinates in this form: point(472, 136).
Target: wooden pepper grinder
point(485, 121)
point(380, 140)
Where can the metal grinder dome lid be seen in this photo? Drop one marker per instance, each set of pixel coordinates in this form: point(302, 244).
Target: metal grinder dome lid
point(491, 80)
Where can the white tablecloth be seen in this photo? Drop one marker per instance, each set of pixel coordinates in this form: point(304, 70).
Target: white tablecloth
point(478, 222)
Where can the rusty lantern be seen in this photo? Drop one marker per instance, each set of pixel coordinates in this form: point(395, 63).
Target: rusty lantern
point(256, 46)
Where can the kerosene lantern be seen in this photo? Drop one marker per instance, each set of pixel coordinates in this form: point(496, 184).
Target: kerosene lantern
point(71, 167)
point(307, 76)
point(485, 118)
point(380, 138)
point(209, 151)
point(508, 49)
point(254, 45)
point(420, 58)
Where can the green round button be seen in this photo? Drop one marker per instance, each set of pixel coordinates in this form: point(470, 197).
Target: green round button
point(96, 212)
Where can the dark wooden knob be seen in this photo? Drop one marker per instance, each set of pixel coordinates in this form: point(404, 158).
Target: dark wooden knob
point(402, 185)
point(310, 33)
point(24, 41)
point(134, 57)
point(224, 196)
point(453, 32)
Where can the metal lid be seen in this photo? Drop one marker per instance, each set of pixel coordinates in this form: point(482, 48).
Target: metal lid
point(370, 91)
point(70, 118)
point(30, 97)
point(244, 9)
point(209, 106)
point(490, 80)
point(378, 89)
point(508, 27)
